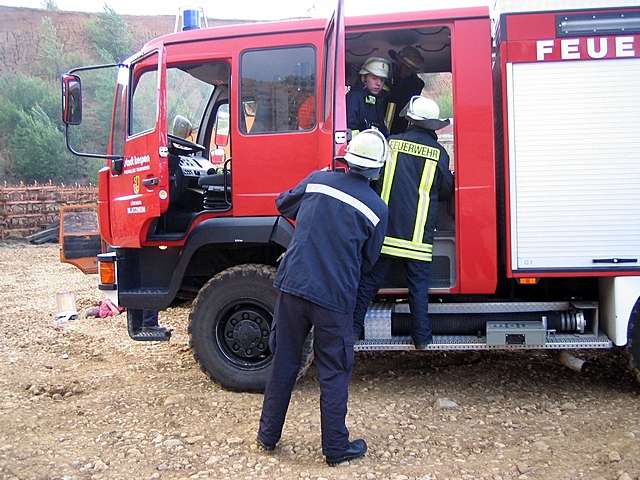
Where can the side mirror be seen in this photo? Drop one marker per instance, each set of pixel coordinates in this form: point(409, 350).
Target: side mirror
point(71, 100)
point(217, 157)
point(222, 126)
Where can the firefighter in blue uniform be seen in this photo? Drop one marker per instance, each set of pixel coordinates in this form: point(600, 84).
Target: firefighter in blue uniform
point(367, 103)
point(407, 63)
point(340, 227)
point(414, 179)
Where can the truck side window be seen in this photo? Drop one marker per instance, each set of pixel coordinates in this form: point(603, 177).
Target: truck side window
point(144, 101)
point(279, 87)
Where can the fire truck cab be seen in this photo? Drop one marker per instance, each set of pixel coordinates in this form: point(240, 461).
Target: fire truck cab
point(538, 249)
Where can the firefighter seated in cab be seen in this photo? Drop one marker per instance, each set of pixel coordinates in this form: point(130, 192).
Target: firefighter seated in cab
point(183, 128)
point(415, 178)
point(407, 63)
point(366, 103)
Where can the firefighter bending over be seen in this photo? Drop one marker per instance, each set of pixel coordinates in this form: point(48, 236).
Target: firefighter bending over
point(415, 177)
point(366, 104)
point(340, 226)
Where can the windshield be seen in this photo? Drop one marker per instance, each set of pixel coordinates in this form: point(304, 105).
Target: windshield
point(119, 116)
point(189, 89)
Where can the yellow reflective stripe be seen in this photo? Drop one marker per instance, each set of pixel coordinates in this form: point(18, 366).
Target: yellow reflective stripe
point(408, 244)
point(354, 133)
point(391, 111)
point(401, 252)
point(424, 199)
point(415, 149)
point(389, 172)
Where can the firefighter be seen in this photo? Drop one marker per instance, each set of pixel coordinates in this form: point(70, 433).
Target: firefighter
point(414, 179)
point(367, 104)
point(408, 62)
point(182, 127)
point(340, 226)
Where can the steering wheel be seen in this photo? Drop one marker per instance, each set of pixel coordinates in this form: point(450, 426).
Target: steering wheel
point(185, 146)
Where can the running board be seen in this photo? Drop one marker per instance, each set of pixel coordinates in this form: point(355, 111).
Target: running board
point(471, 342)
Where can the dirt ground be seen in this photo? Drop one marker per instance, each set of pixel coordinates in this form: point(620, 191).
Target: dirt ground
point(85, 402)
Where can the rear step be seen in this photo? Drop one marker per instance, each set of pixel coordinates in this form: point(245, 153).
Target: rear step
point(151, 334)
point(488, 326)
point(140, 333)
point(472, 342)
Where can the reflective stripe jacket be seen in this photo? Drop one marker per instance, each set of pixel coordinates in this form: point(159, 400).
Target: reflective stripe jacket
point(366, 110)
point(340, 226)
point(414, 179)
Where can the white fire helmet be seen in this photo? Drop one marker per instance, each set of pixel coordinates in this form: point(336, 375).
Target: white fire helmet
point(377, 66)
point(424, 112)
point(367, 153)
point(421, 108)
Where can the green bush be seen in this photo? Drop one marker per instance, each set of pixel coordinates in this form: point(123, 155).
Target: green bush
point(37, 148)
point(20, 93)
point(32, 137)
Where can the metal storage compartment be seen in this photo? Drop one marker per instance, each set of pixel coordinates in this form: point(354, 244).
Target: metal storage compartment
point(574, 157)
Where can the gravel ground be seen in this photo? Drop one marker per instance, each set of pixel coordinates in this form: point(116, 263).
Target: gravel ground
point(85, 402)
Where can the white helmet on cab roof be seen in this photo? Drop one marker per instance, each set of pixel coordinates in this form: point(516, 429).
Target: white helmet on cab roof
point(377, 66)
point(367, 153)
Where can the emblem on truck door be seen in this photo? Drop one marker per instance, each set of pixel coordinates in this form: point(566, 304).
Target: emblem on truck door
point(136, 184)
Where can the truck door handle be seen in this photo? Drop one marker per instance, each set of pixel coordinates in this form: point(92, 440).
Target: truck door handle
point(148, 182)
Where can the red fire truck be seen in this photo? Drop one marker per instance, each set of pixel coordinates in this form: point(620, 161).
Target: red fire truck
point(539, 248)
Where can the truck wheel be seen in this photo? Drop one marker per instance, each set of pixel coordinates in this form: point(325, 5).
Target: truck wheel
point(229, 327)
point(634, 341)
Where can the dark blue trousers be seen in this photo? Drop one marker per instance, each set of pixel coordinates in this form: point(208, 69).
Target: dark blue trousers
point(333, 350)
point(418, 274)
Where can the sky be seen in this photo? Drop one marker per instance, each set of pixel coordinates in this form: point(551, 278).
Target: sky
point(250, 9)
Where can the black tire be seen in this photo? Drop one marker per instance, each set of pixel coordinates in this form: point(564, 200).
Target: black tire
point(634, 342)
point(229, 327)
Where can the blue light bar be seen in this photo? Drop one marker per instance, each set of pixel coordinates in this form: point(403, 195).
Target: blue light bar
point(190, 18)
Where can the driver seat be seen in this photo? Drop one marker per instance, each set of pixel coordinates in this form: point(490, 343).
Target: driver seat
point(217, 190)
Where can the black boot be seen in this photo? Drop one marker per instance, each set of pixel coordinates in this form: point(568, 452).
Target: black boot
point(356, 449)
point(265, 447)
point(423, 344)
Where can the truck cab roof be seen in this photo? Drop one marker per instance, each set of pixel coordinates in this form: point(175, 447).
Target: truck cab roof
point(308, 24)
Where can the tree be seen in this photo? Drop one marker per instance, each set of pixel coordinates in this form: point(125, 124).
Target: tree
point(50, 49)
point(37, 148)
point(19, 93)
point(32, 138)
point(50, 5)
point(110, 36)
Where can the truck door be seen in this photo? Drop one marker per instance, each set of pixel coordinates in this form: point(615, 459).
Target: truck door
point(334, 112)
point(79, 237)
point(138, 184)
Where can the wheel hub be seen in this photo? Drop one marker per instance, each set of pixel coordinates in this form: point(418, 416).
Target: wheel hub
point(246, 333)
